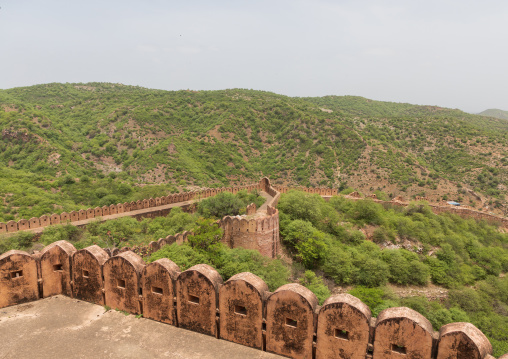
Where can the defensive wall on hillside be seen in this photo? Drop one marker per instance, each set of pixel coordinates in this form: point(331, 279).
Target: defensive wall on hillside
point(288, 321)
point(257, 229)
point(260, 233)
point(462, 211)
point(154, 205)
point(128, 208)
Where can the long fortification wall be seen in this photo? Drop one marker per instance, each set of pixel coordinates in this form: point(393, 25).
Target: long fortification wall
point(134, 209)
point(288, 321)
point(157, 208)
point(261, 233)
point(462, 211)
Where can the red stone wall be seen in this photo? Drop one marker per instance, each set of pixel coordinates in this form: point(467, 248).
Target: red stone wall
point(263, 184)
point(462, 340)
point(261, 233)
point(290, 321)
point(56, 268)
point(251, 209)
point(197, 297)
point(18, 278)
point(157, 280)
point(241, 309)
point(121, 281)
point(296, 326)
point(402, 331)
point(343, 328)
point(87, 274)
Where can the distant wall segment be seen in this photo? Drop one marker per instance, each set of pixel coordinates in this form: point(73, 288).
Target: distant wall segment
point(260, 233)
point(287, 322)
point(151, 208)
point(462, 211)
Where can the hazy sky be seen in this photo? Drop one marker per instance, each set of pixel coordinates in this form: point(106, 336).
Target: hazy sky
point(445, 53)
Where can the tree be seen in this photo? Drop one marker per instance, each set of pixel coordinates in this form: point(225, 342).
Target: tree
point(206, 236)
point(311, 281)
point(221, 205)
point(308, 242)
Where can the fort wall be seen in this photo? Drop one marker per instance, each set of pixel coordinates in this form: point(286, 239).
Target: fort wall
point(288, 321)
point(437, 208)
point(258, 231)
point(156, 207)
point(146, 208)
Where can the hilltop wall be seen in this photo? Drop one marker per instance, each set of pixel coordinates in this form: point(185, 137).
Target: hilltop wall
point(462, 211)
point(160, 206)
point(151, 207)
point(288, 321)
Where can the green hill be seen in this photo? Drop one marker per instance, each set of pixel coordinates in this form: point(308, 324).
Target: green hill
point(68, 146)
point(493, 112)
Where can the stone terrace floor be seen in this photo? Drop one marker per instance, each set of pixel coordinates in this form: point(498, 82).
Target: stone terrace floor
point(61, 327)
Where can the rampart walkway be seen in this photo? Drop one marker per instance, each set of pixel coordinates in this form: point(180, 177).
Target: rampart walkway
point(262, 211)
point(139, 213)
point(61, 327)
point(155, 207)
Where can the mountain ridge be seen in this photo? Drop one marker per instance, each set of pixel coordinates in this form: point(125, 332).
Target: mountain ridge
point(187, 139)
point(494, 112)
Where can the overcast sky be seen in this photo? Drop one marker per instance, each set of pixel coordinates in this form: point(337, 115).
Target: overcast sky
point(446, 53)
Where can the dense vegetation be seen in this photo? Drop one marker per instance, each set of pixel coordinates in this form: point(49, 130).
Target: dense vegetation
point(69, 146)
point(446, 250)
point(329, 247)
point(228, 204)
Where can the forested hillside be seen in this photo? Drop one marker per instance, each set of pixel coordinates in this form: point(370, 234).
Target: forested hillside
point(447, 268)
point(69, 146)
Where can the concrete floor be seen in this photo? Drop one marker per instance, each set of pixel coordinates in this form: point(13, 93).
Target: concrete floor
point(61, 327)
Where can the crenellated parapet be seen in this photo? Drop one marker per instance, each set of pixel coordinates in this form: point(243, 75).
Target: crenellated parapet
point(148, 207)
point(259, 231)
point(251, 209)
point(287, 322)
point(159, 206)
point(321, 191)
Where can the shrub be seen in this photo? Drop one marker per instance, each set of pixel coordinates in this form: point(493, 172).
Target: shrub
point(221, 205)
point(308, 243)
point(183, 255)
point(206, 236)
point(311, 281)
point(18, 240)
point(373, 297)
point(368, 211)
point(60, 232)
point(338, 265)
